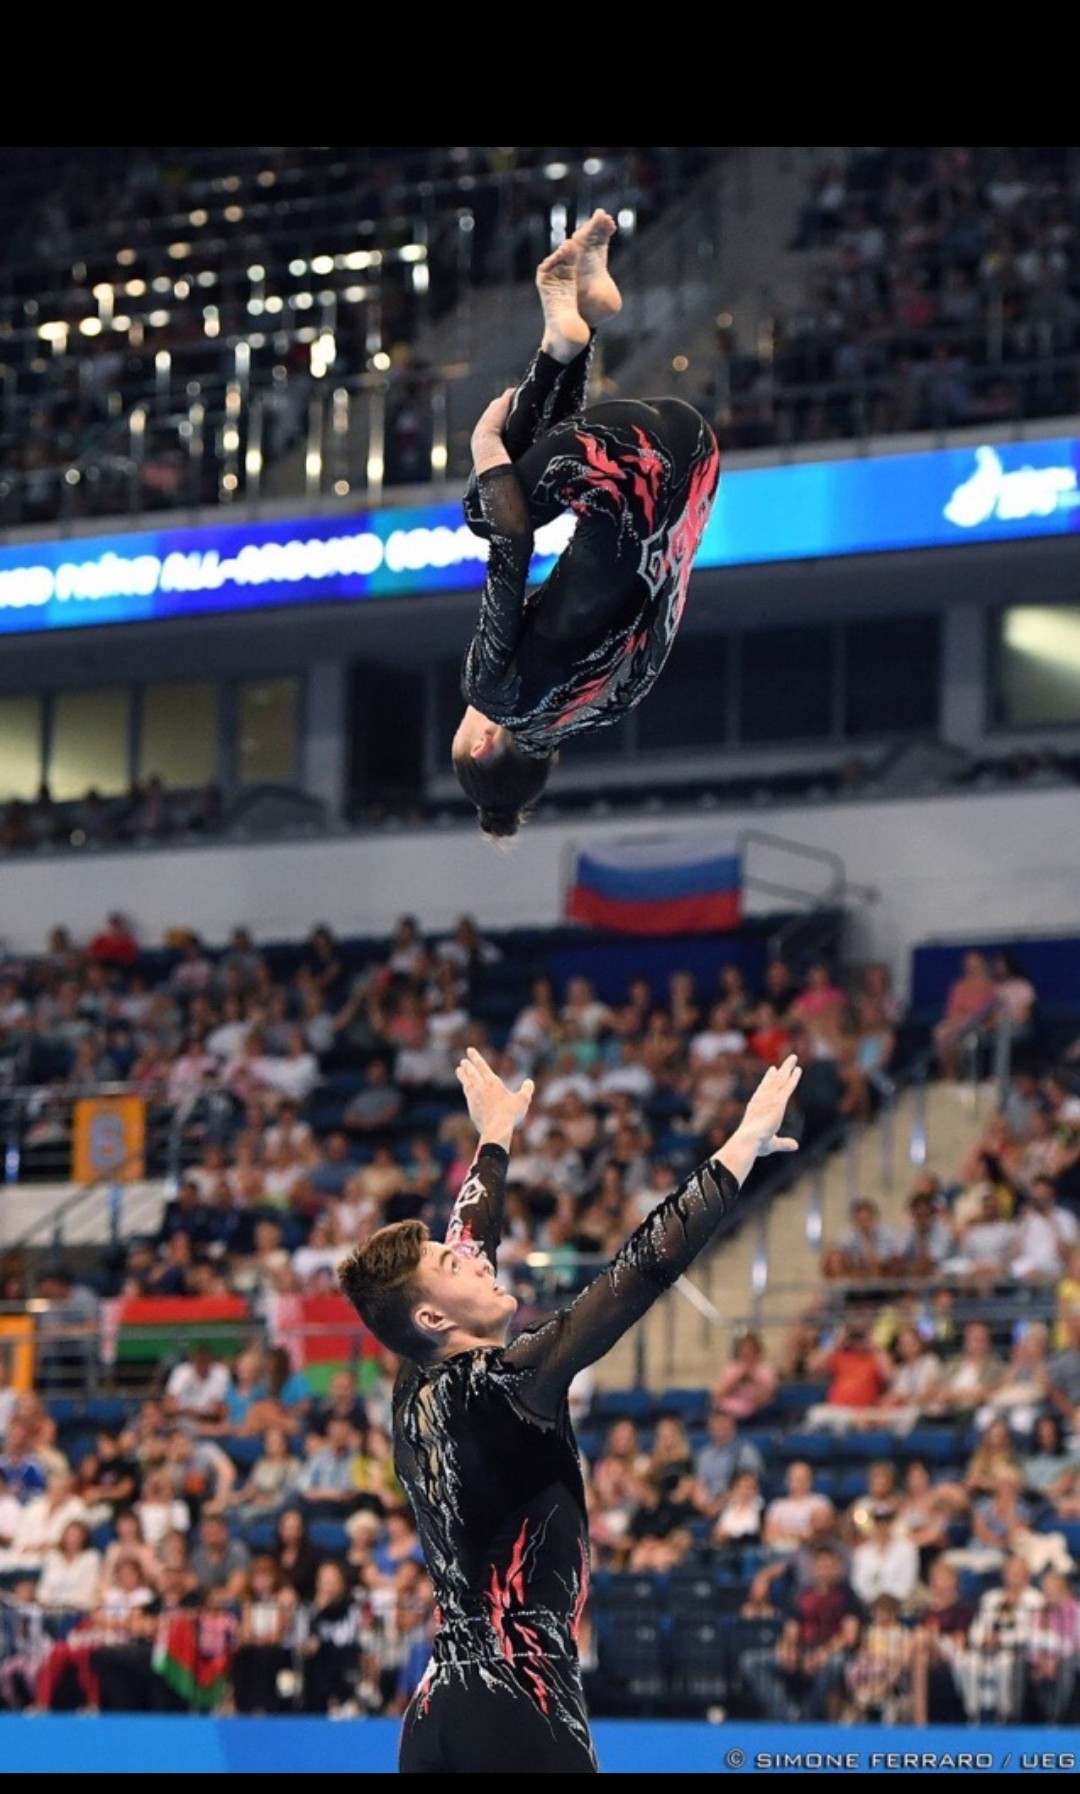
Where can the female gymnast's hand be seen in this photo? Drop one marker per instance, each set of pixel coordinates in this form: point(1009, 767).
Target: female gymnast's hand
point(765, 1110)
point(756, 1135)
point(488, 447)
point(494, 1109)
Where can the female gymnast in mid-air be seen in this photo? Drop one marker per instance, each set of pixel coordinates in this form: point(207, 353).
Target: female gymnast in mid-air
point(639, 477)
point(484, 1446)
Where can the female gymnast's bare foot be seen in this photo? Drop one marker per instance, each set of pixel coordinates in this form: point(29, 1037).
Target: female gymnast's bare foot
point(598, 297)
point(565, 330)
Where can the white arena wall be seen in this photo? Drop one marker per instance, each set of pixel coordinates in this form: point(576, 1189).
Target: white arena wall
point(951, 868)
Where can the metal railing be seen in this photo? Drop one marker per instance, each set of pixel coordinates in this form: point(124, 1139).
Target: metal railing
point(546, 1281)
point(206, 1658)
point(984, 1045)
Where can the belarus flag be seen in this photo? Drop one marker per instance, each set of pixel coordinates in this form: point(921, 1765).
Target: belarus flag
point(657, 884)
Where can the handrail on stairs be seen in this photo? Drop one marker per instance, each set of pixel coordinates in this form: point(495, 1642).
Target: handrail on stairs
point(846, 1136)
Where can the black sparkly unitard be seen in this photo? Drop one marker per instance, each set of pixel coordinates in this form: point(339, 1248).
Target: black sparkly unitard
point(484, 1447)
point(639, 476)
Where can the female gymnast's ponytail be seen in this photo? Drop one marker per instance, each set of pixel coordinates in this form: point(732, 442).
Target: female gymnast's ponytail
point(502, 786)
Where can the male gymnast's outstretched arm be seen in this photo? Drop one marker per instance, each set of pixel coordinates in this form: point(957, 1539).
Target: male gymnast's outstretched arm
point(656, 1254)
point(475, 1223)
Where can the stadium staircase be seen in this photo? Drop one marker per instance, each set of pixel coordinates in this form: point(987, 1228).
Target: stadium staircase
point(750, 272)
point(685, 1342)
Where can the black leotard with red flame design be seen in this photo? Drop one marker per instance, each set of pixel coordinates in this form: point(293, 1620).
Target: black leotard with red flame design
point(485, 1449)
point(639, 477)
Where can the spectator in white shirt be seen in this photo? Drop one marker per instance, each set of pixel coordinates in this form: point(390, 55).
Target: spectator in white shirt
point(567, 1079)
point(719, 1037)
point(8, 1395)
point(225, 1040)
point(885, 1563)
point(316, 1262)
point(583, 1010)
point(536, 1026)
point(790, 1518)
point(42, 1521)
point(71, 1571)
point(448, 1019)
point(159, 1510)
point(295, 1073)
point(467, 948)
point(629, 1075)
point(986, 1246)
point(197, 1388)
point(289, 1131)
point(1044, 1233)
point(10, 1512)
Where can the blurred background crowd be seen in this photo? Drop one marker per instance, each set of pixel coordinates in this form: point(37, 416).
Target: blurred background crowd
point(837, 1476)
point(872, 1509)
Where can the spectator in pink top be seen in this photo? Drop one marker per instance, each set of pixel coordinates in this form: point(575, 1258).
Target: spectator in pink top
point(974, 993)
point(748, 1384)
point(819, 997)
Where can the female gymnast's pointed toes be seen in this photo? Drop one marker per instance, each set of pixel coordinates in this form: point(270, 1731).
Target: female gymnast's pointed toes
point(566, 332)
point(598, 295)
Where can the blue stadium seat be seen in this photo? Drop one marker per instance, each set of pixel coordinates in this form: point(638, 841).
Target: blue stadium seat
point(329, 1535)
point(689, 1404)
point(644, 1590)
point(973, 1583)
point(421, 1116)
point(244, 1452)
point(700, 1659)
point(678, 1150)
point(108, 1411)
point(881, 1444)
point(623, 1404)
point(692, 1588)
point(934, 1444)
point(64, 1409)
point(259, 1535)
point(816, 1448)
point(797, 1397)
point(630, 1650)
point(76, 1445)
point(765, 1442)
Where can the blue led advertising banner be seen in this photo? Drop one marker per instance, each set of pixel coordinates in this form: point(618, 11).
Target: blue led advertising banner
point(808, 511)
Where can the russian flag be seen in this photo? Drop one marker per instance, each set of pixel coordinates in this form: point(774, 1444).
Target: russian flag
point(657, 884)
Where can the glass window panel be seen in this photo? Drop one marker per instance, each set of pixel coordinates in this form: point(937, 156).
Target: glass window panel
point(90, 745)
point(786, 687)
point(688, 707)
point(178, 741)
point(1039, 665)
point(20, 748)
point(268, 731)
point(891, 675)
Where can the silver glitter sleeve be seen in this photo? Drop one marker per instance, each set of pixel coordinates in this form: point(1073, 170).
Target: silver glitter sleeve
point(475, 1225)
point(657, 1253)
point(502, 601)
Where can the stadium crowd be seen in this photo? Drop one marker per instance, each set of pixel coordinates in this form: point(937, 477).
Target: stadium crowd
point(877, 1513)
point(154, 283)
point(942, 289)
